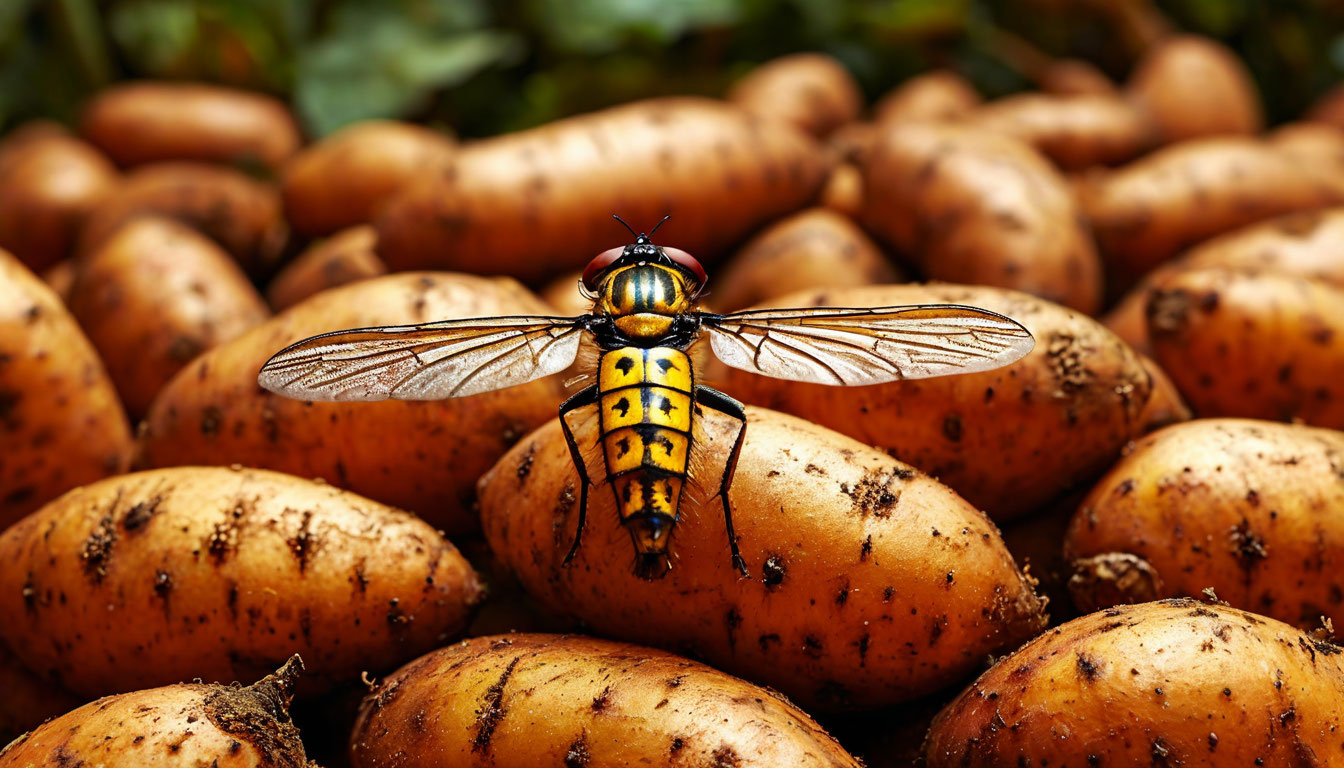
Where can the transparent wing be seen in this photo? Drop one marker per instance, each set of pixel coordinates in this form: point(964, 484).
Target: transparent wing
point(453, 358)
point(852, 347)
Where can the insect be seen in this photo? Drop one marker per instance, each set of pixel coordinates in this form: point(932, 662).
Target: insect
point(644, 318)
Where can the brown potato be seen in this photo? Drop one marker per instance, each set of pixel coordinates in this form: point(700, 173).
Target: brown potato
point(558, 185)
point(1233, 504)
point(972, 206)
point(1259, 345)
point(1164, 684)
point(1193, 86)
point(1074, 77)
point(60, 420)
point(155, 295)
point(813, 92)
point(346, 257)
point(1318, 149)
point(216, 573)
point(937, 95)
point(239, 213)
point(61, 278)
point(1051, 421)
point(507, 701)
point(48, 185)
point(816, 248)
point(28, 699)
point(1165, 406)
point(148, 122)
point(870, 582)
point(851, 143)
point(843, 192)
point(421, 456)
point(179, 725)
point(564, 295)
point(1075, 132)
point(342, 180)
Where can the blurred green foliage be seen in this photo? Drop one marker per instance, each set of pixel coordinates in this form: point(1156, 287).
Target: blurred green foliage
point(480, 67)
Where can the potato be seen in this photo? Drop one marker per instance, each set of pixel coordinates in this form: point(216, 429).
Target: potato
point(1328, 108)
point(341, 181)
point(1193, 86)
point(48, 185)
point(155, 295)
point(421, 456)
point(216, 573)
point(564, 295)
point(1074, 77)
point(1148, 211)
point(28, 699)
point(1050, 421)
point(870, 582)
point(851, 143)
point(972, 206)
point(346, 257)
point(1165, 406)
point(178, 725)
point(60, 420)
point(813, 92)
point(147, 122)
point(1173, 683)
point(1260, 345)
point(537, 203)
point(1075, 132)
point(1318, 149)
point(239, 213)
point(937, 95)
point(843, 192)
point(60, 278)
point(816, 248)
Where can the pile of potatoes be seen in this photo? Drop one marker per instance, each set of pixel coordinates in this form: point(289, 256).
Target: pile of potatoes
point(1120, 549)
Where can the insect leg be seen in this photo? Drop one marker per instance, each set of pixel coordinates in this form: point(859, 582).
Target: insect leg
point(712, 398)
point(586, 396)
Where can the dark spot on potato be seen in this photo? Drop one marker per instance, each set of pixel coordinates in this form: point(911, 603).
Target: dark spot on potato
point(1067, 366)
point(20, 495)
point(210, 420)
point(29, 592)
point(773, 571)
point(1125, 487)
point(952, 427)
point(866, 548)
point(1161, 752)
point(396, 617)
point(9, 401)
point(874, 493)
point(732, 620)
point(812, 646)
point(813, 469)
point(862, 644)
point(765, 641)
point(1089, 667)
point(1247, 546)
point(140, 514)
point(492, 709)
point(602, 700)
point(725, 757)
point(163, 585)
point(525, 465)
point(577, 756)
point(302, 543)
point(97, 550)
point(678, 744)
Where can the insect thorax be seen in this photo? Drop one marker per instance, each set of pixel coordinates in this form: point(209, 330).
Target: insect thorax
point(644, 299)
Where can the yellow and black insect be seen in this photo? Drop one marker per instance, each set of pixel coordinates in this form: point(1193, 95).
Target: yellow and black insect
point(643, 320)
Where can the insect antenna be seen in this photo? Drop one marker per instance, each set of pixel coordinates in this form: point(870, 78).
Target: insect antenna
point(659, 224)
point(627, 226)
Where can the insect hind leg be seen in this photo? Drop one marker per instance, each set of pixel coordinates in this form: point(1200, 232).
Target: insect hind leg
point(712, 398)
point(586, 396)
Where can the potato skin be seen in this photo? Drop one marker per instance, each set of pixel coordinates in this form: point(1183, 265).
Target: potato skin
point(870, 582)
point(346, 257)
point(184, 566)
point(1169, 683)
point(1051, 420)
point(1075, 132)
point(147, 122)
point(1165, 406)
point(720, 173)
point(530, 699)
point(28, 699)
point(973, 206)
point(177, 725)
point(1253, 344)
point(60, 420)
point(152, 297)
point(1193, 86)
point(49, 183)
point(937, 95)
point(813, 92)
point(421, 456)
point(1233, 504)
point(340, 181)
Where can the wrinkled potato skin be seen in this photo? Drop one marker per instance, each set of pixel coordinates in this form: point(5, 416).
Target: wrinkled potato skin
point(869, 583)
point(152, 297)
point(60, 420)
point(420, 456)
point(48, 185)
point(812, 92)
point(1232, 504)
point(720, 174)
point(972, 206)
point(1256, 345)
point(1192, 87)
point(817, 248)
point(217, 573)
point(28, 699)
point(346, 257)
point(938, 95)
point(1075, 132)
point(148, 122)
point(239, 213)
point(516, 701)
point(341, 181)
point(1168, 683)
point(1051, 420)
point(178, 725)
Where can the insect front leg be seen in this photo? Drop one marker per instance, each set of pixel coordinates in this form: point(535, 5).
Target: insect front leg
point(586, 396)
point(712, 398)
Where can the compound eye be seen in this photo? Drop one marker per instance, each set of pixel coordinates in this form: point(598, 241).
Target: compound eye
point(599, 264)
point(688, 261)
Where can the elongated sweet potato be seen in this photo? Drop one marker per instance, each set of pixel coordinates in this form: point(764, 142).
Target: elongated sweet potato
point(812, 92)
point(346, 257)
point(1075, 132)
point(515, 701)
point(937, 95)
point(870, 583)
point(1170, 683)
point(973, 206)
point(60, 420)
point(216, 573)
point(1050, 421)
point(1193, 86)
point(421, 456)
point(48, 185)
point(537, 203)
